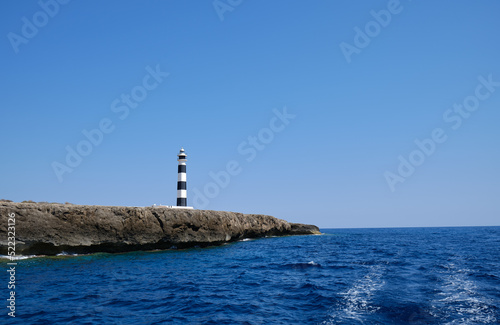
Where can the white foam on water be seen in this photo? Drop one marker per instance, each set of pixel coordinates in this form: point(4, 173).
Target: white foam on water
point(356, 304)
point(18, 257)
point(313, 263)
point(459, 296)
point(66, 254)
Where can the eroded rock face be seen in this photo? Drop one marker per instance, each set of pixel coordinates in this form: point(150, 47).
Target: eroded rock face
point(53, 228)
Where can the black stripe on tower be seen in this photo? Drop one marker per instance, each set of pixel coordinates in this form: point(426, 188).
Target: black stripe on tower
point(181, 169)
point(181, 202)
point(181, 185)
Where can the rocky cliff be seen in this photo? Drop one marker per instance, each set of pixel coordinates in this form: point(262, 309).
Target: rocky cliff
point(48, 229)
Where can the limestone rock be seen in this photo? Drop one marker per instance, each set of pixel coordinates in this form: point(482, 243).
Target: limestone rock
point(49, 229)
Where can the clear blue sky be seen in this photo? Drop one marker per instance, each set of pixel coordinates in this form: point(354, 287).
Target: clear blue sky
point(65, 69)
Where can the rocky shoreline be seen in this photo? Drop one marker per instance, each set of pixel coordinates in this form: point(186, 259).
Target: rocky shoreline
point(52, 228)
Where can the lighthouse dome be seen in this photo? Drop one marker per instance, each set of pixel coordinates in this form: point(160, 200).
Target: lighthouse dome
point(182, 154)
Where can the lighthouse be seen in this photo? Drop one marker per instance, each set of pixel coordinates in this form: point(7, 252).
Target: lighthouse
point(181, 179)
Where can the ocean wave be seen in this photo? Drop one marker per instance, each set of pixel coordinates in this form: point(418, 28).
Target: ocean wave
point(18, 257)
point(459, 300)
point(290, 280)
point(67, 254)
point(307, 265)
point(24, 257)
point(357, 300)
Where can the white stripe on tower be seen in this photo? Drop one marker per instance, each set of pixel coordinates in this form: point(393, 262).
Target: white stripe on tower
point(181, 179)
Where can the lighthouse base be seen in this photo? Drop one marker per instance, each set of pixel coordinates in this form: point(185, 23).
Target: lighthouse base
point(170, 206)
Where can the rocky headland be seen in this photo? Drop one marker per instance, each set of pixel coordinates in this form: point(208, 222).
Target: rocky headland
point(52, 228)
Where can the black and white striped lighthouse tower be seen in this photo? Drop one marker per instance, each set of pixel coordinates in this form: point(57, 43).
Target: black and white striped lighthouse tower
point(181, 179)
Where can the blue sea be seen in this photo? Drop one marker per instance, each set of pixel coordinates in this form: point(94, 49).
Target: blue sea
point(346, 276)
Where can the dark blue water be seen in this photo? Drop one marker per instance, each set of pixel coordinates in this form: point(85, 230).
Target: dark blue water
point(355, 276)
